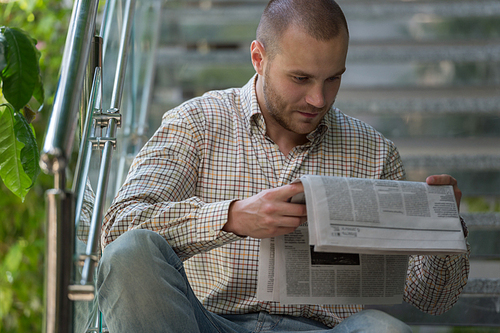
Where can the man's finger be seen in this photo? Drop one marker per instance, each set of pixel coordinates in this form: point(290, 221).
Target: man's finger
point(292, 209)
point(441, 180)
point(285, 192)
point(289, 222)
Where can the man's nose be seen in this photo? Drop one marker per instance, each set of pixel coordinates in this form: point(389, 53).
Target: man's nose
point(316, 96)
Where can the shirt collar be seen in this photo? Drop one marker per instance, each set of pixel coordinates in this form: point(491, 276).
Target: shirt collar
point(253, 115)
point(249, 98)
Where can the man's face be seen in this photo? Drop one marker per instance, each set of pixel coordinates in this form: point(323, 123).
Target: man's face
point(301, 82)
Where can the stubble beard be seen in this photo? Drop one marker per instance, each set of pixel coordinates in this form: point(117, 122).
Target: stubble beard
point(277, 107)
point(275, 104)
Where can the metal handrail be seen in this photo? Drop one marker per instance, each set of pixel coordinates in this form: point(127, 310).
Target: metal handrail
point(136, 130)
point(108, 145)
point(98, 130)
point(54, 158)
point(82, 164)
point(61, 128)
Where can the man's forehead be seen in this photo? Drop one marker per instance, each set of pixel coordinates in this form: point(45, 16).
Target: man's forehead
point(297, 38)
point(302, 53)
point(295, 29)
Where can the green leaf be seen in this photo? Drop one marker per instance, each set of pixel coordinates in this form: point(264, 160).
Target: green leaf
point(3, 62)
point(38, 92)
point(11, 169)
point(6, 299)
point(21, 74)
point(14, 256)
point(29, 154)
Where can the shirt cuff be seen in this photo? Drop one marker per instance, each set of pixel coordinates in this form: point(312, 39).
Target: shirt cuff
point(211, 219)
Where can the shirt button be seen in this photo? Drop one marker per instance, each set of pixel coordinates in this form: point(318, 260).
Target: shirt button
point(211, 232)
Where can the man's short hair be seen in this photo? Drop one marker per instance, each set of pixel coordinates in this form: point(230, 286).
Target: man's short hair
point(321, 19)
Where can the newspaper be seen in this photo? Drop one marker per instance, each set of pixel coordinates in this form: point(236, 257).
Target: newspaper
point(353, 249)
point(381, 216)
point(291, 272)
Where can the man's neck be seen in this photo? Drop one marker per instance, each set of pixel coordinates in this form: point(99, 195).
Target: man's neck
point(286, 140)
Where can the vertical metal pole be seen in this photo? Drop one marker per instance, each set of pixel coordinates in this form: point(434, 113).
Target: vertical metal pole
point(85, 152)
point(102, 183)
point(61, 127)
point(95, 60)
point(59, 257)
point(55, 155)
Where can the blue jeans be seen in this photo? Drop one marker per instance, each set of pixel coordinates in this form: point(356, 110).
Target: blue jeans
point(142, 287)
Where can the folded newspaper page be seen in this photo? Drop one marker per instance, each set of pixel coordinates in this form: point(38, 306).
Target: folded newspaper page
point(381, 216)
point(291, 272)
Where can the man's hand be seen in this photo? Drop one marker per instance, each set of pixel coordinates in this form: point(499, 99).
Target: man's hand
point(446, 180)
point(267, 214)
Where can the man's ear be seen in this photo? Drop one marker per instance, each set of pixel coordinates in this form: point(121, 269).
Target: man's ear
point(258, 54)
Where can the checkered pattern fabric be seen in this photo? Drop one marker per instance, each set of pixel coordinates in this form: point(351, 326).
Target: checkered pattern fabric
point(212, 150)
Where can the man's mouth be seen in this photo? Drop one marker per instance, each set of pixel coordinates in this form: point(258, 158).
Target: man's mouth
point(308, 114)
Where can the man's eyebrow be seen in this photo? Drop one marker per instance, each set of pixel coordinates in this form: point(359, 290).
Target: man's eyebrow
point(302, 73)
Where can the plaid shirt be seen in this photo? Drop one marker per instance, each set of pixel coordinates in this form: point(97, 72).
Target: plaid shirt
point(213, 150)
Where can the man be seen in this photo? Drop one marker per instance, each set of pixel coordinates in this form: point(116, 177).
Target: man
point(215, 179)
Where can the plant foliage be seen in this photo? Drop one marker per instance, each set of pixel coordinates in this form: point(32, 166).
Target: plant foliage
point(22, 236)
point(11, 169)
point(21, 82)
point(21, 75)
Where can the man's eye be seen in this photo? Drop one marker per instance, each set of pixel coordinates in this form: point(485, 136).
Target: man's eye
point(300, 78)
point(333, 78)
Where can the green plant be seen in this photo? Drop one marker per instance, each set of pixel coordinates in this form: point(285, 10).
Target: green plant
point(22, 236)
point(21, 85)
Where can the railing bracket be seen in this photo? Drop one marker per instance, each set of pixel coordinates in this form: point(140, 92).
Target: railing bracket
point(102, 118)
point(78, 292)
point(82, 257)
point(98, 143)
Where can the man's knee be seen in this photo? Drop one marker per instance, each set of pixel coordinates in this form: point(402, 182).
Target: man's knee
point(136, 252)
point(371, 320)
point(132, 244)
